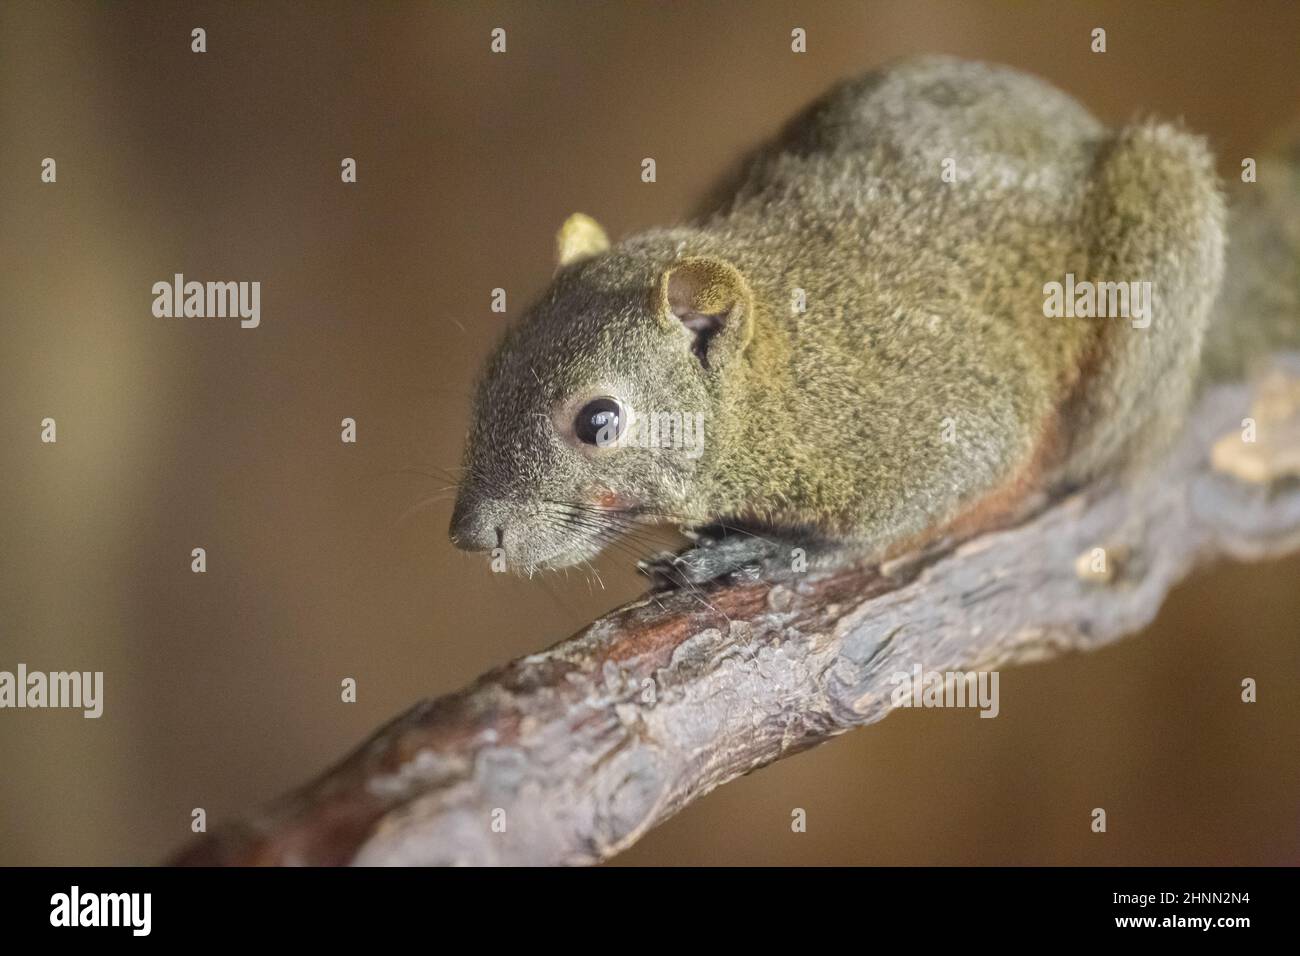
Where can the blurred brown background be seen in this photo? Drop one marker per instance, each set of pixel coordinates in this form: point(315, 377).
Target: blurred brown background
point(223, 689)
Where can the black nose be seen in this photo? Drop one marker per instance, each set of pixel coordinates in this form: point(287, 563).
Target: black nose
point(477, 526)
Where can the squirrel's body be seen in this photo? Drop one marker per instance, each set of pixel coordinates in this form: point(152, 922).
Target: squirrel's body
point(859, 319)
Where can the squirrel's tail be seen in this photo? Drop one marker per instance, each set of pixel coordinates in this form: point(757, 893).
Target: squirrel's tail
point(1258, 308)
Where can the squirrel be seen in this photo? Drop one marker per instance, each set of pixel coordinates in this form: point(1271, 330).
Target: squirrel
point(859, 322)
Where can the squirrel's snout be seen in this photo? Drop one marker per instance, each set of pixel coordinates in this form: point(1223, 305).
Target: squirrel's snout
point(477, 527)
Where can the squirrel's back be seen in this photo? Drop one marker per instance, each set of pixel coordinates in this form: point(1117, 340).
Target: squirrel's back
point(909, 116)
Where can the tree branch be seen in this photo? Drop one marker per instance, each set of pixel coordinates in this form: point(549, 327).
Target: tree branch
point(581, 749)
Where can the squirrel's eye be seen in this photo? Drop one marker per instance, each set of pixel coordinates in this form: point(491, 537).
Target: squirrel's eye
point(600, 422)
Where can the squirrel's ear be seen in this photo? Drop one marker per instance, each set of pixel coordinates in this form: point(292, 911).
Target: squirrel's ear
point(579, 238)
point(711, 300)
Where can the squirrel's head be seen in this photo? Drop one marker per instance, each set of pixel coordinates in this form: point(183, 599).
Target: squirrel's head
point(594, 411)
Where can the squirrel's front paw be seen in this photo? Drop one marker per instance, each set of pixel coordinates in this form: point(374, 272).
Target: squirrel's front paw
point(716, 554)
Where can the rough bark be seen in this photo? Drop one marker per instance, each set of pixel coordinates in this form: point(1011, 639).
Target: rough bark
point(580, 749)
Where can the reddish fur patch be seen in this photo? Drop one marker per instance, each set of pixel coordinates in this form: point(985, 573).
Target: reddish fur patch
point(609, 500)
point(1000, 505)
